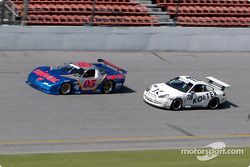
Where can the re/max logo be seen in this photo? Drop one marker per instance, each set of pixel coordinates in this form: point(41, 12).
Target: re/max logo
point(46, 75)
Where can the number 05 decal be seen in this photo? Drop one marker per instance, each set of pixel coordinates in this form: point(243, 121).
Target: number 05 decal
point(89, 83)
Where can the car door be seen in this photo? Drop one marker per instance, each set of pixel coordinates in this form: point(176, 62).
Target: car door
point(199, 96)
point(89, 80)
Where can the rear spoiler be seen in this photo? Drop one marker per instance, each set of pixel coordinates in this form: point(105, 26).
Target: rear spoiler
point(222, 85)
point(112, 65)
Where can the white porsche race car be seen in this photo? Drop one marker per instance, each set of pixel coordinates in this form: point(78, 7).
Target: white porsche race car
point(186, 92)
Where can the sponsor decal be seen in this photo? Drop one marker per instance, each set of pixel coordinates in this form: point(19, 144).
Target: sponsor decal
point(43, 74)
point(46, 83)
point(84, 64)
point(206, 96)
point(113, 77)
point(156, 91)
point(98, 90)
point(39, 79)
point(189, 97)
point(148, 98)
point(89, 83)
point(118, 85)
point(77, 87)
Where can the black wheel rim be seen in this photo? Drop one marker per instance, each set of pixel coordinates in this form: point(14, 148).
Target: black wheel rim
point(214, 104)
point(176, 104)
point(108, 86)
point(65, 89)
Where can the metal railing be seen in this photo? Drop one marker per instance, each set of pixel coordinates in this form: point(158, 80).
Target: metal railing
point(8, 13)
point(177, 5)
point(2, 11)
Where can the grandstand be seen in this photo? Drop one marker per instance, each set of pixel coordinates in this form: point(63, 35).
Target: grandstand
point(218, 13)
point(83, 12)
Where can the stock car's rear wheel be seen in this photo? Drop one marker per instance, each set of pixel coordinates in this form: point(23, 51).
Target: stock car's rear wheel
point(213, 104)
point(65, 88)
point(176, 104)
point(108, 87)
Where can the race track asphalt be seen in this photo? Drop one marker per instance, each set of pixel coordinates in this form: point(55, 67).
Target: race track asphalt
point(32, 121)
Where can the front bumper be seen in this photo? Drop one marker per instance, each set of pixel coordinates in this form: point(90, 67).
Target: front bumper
point(49, 89)
point(156, 101)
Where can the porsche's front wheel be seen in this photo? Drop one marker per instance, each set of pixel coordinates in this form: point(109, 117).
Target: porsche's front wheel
point(176, 104)
point(65, 88)
point(108, 87)
point(213, 104)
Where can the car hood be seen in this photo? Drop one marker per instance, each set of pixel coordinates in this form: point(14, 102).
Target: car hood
point(50, 75)
point(163, 89)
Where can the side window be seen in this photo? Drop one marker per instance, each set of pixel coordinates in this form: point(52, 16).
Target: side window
point(89, 74)
point(187, 87)
point(102, 71)
point(209, 88)
point(199, 88)
point(78, 72)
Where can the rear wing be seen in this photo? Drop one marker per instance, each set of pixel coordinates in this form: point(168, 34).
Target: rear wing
point(213, 81)
point(112, 65)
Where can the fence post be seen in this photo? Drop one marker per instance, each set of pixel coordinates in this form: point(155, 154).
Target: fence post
point(91, 20)
point(176, 12)
point(25, 12)
point(2, 11)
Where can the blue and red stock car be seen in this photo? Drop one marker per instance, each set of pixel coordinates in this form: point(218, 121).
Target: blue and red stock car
point(78, 78)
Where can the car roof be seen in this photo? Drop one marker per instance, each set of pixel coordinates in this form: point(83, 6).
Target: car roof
point(192, 80)
point(84, 65)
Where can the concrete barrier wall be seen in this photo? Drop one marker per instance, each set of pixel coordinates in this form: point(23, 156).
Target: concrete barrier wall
point(124, 38)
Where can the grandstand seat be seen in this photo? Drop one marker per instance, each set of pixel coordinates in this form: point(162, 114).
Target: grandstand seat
point(129, 12)
point(205, 2)
point(78, 12)
point(78, 1)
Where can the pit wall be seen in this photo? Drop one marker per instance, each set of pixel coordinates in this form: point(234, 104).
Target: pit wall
point(124, 38)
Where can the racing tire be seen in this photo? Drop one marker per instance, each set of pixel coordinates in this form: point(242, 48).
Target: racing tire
point(176, 104)
point(108, 87)
point(214, 103)
point(65, 88)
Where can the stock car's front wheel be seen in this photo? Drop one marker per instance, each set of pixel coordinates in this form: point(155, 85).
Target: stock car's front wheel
point(176, 104)
point(65, 88)
point(108, 87)
point(213, 104)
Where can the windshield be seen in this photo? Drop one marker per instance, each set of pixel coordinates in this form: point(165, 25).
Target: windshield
point(179, 84)
point(72, 69)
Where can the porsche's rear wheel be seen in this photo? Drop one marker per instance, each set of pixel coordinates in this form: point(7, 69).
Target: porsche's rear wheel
point(176, 104)
point(108, 87)
point(213, 104)
point(65, 88)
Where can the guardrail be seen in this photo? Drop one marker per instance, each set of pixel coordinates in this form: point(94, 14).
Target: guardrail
point(124, 38)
